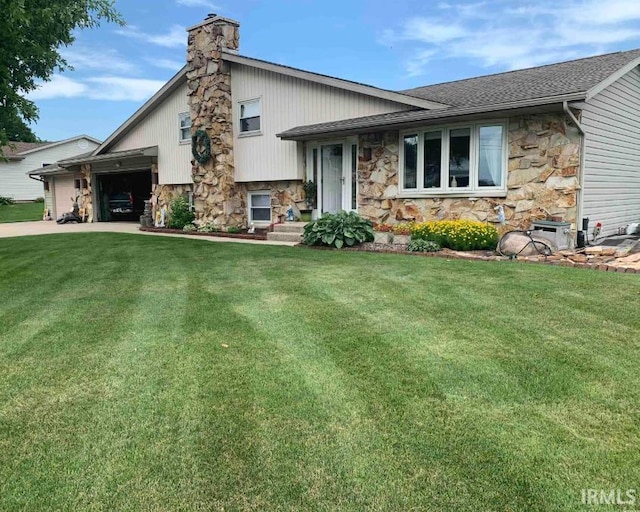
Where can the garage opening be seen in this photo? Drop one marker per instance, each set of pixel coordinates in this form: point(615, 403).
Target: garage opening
point(121, 196)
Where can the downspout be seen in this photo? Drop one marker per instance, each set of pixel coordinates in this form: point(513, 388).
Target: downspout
point(39, 178)
point(567, 110)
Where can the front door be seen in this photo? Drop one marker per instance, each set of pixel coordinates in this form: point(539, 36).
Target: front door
point(331, 165)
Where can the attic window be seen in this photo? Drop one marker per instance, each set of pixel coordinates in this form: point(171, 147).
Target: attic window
point(250, 117)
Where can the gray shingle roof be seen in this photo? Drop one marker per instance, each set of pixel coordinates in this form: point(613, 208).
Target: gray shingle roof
point(531, 87)
point(551, 80)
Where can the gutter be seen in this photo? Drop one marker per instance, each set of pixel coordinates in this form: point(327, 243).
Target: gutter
point(579, 198)
point(417, 117)
point(567, 110)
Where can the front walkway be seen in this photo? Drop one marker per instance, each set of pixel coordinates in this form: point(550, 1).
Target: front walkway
point(50, 227)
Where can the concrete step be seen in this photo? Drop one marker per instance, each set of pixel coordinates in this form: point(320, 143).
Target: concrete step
point(284, 237)
point(290, 227)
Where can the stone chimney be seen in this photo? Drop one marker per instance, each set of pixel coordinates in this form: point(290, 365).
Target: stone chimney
point(217, 199)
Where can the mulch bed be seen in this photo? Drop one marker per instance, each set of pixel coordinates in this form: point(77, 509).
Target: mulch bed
point(260, 234)
point(556, 259)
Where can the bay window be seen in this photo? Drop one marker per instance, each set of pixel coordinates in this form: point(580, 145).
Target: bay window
point(455, 160)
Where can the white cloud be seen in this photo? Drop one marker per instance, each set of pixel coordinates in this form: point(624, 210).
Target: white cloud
point(113, 88)
point(176, 37)
point(105, 88)
point(492, 33)
point(97, 59)
point(58, 87)
point(198, 3)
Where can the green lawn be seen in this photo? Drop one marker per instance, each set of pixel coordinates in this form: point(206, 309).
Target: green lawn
point(21, 212)
point(148, 373)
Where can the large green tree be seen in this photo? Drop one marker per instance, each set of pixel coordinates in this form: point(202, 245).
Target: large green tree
point(15, 128)
point(31, 34)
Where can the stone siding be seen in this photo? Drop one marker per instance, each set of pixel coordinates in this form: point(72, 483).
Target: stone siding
point(544, 160)
point(86, 200)
point(283, 194)
point(163, 195)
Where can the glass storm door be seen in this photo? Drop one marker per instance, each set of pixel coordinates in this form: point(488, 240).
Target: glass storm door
point(332, 177)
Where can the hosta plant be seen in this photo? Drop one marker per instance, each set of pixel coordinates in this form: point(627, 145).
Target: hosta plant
point(338, 230)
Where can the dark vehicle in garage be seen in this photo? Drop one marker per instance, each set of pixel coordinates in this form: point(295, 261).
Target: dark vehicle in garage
point(121, 206)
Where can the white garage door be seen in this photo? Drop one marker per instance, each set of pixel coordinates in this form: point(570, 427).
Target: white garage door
point(64, 192)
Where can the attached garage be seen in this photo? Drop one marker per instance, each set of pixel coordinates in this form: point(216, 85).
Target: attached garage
point(120, 196)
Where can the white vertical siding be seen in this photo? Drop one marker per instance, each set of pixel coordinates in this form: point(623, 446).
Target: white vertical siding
point(160, 128)
point(14, 181)
point(287, 102)
point(611, 119)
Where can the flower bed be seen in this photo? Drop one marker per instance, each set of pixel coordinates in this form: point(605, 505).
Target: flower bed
point(459, 235)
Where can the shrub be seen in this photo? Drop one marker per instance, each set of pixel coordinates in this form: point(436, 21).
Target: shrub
point(419, 245)
point(404, 228)
point(209, 228)
point(310, 192)
point(338, 230)
point(180, 214)
point(39, 200)
point(233, 230)
point(189, 228)
point(460, 235)
point(6, 201)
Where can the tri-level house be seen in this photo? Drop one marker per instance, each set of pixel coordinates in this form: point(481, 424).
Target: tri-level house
point(240, 136)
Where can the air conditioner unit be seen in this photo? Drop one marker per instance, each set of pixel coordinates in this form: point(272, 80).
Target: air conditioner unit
point(557, 232)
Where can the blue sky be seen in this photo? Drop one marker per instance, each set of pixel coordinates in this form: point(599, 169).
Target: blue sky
point(394, 45)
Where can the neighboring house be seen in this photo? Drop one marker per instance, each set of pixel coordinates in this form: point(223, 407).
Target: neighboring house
point(22, 157)
point(559, 141)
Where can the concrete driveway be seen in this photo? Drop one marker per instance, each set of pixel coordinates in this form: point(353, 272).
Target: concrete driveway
point(42, 227)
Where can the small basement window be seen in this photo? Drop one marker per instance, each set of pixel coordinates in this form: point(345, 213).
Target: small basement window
point(184, 127)
point(260, 207)
point(250, 116)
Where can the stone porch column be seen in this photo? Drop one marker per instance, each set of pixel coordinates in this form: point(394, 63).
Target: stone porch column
point(217, 198)
point(86, 199)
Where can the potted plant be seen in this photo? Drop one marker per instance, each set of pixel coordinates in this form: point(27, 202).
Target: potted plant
point(305, 215)
point(310, 191)
point(401, 234)
point(382, 233)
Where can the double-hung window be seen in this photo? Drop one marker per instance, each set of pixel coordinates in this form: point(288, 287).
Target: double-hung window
point(455, 160)
point(184, 127)
point(250, 117)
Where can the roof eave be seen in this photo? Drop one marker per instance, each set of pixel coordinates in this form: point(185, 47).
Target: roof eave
point(416, 119)
point(71, 162)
